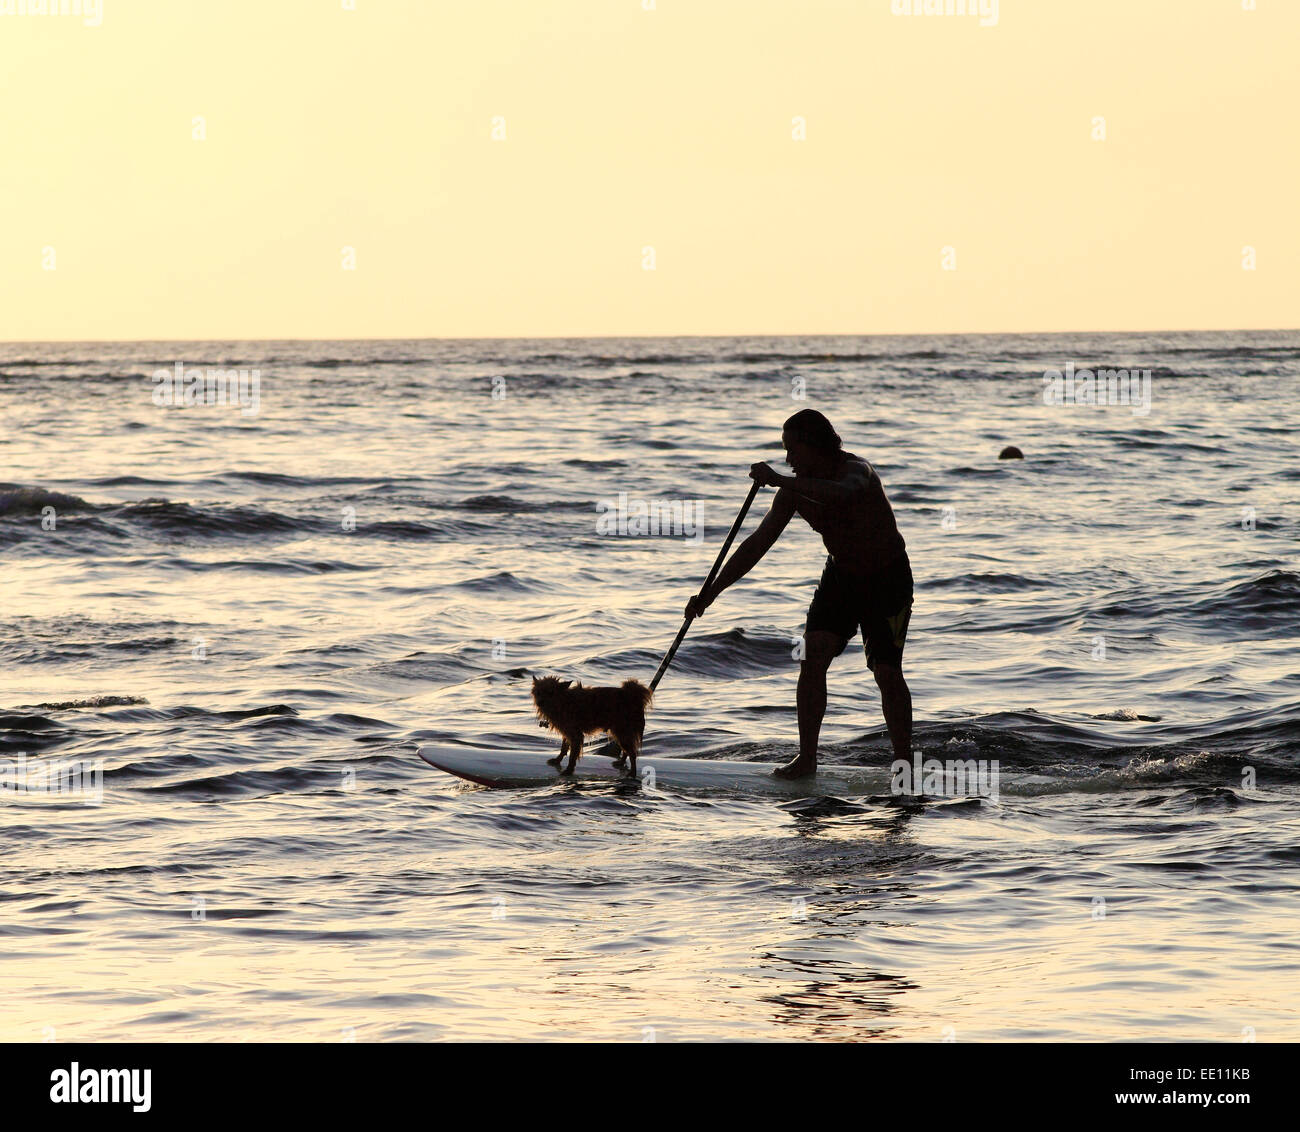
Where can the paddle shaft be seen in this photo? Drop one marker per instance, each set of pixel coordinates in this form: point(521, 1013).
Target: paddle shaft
point(717, 565)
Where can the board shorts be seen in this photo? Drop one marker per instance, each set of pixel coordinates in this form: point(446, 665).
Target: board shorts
point(880, 603)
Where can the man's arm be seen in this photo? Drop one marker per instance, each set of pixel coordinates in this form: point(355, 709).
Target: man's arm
point(849, 488)
point(746, 555)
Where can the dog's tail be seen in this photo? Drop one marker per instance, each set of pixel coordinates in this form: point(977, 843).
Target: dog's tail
point(637, 694)
point(636, 698)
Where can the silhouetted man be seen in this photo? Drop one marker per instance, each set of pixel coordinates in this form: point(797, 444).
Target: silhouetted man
point(866, 584)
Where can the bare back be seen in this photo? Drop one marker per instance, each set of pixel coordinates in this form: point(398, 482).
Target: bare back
point(863, 535)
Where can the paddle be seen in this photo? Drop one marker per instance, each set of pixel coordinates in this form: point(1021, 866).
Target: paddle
point(608, 748)
point(717, 565)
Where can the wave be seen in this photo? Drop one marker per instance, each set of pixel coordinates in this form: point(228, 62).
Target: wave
point(286, 566)
point(129, 481)
point(511, 503)
point(162, 515)
point(1285, 353)
point(18, 501)
point(1266, 603)
point(88, 702)
point(1131, 750)
point(502, 580)
point(1043, 753)
point(284, 479)
point(596, 465)
point(1127, 715)
point(738, 652)
point(988, 583)
point(166, 521)
point(186, 520)
point(1272, 599)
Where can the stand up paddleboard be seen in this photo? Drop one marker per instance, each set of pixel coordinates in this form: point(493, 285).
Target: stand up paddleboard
point(518, 768)
point(515, 768)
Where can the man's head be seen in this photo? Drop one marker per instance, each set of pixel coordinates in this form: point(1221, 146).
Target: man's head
point(812, 446)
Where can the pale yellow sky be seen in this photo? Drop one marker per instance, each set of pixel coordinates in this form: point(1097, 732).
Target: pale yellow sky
point(625, 128)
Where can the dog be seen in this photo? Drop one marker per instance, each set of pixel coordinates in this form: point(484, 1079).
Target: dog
point(575, 712)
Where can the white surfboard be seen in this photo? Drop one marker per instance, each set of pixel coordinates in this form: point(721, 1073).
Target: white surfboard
point(520, 768)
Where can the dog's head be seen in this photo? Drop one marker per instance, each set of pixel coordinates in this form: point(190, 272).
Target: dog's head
point(549, 693)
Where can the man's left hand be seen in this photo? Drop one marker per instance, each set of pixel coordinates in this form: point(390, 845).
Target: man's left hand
point(765, 474)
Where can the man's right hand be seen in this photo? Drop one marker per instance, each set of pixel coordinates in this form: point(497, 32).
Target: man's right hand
point(699, 603)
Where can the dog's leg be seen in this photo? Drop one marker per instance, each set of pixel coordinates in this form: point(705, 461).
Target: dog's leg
point(628, 747)
point(575, 749)
point(637, 740)
point(564, 750)
point(620, 760)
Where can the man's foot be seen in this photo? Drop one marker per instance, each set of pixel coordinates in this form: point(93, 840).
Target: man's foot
point(799, 768)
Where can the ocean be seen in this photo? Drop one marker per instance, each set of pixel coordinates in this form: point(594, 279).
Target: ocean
point(240, 620)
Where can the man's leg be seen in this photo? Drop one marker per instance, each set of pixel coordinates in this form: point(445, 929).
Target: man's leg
point(896, 703)
point(820, 648)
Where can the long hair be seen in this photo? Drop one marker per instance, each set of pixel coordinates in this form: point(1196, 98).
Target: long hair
point(814, 430)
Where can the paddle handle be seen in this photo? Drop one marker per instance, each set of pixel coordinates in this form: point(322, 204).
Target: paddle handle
point(717, 565)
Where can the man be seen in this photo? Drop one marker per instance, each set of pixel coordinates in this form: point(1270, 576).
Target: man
point(866, 584)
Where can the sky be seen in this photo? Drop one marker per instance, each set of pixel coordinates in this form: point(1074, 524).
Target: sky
point(646, 167)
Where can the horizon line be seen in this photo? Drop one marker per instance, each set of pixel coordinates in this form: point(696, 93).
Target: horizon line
point(655, 337)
